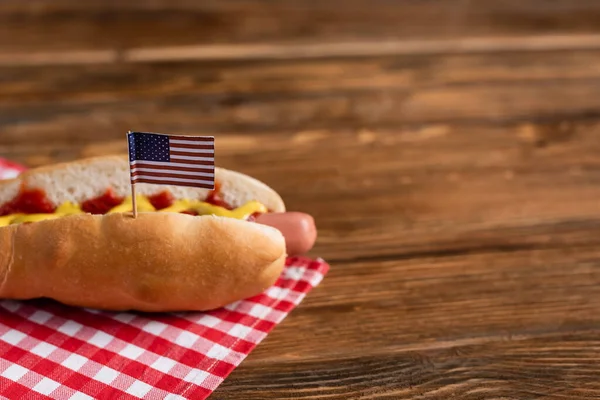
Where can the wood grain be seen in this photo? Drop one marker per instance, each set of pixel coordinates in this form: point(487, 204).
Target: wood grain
point(554, 367)
point(448, 149)
point(490, 325)
point(290, 95)
point(433, 303)
point(67, 24)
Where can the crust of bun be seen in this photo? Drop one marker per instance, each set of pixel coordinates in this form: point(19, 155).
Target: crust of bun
point(84, 179)
point(157, 262)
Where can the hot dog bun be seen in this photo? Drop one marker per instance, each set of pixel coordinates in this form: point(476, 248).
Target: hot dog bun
point(155, 262)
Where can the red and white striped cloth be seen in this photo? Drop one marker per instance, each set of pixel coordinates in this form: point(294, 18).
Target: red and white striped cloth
point(52, 351)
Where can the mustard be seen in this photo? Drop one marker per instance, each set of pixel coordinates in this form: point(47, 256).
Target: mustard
point(242, 212)
point(202, 208)
point(34, 218)
point(67, 208)
point(143, 205)
point(7, 219)
point(179, 206)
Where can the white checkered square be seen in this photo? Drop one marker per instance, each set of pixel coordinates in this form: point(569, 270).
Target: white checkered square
point(124, 317)
point(196, 376)
point(106, 375)
point(46, 386)
point(312, 277)
point(131, 351)
point(11, 305)
point(74, 362)
point(41, 317)
point(239, 331)
point(259, 311)
point(163, 364)
point(9, 173)
point(219, 352)
point(209, 321)
point(70, 328)
point(14, 372)
point(233, 306)
point(43, 349)
point(139, 389)
point(3, 329)
point(293, 297)
point(13, 337)
point(100, 339)
point(294, 273)
point(154, 327)
point(255, 336)
point(277, 292)
point(187, 339)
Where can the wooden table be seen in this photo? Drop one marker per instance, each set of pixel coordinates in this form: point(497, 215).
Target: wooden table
point(449, 151)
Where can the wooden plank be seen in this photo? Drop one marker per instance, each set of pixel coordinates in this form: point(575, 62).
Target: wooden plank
point(509, 104)
point(301, 51)
point(557, 367)
point(374, 308)
point(68, 24)
point(81, 84)
point(262, 96)
point(497, 325)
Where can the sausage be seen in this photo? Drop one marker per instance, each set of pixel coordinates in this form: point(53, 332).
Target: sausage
point(298, 229)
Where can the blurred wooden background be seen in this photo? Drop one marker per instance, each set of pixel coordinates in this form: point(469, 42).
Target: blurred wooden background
point(448, 149)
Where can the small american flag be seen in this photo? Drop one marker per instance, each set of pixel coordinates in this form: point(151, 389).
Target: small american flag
point(172, 160)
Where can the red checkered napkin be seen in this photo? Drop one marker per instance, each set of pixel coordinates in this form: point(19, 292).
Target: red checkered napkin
point(48, 350)
point(9, 169)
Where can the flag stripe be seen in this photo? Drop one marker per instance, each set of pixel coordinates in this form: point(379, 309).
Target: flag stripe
point(192, 146)
point(187, 153)
point(189, 166)
point(194, 139)
point(174, 181)
point(194, 158)
point(184, 175)
point(183, 171)
point(181, 180)
point(190, 151)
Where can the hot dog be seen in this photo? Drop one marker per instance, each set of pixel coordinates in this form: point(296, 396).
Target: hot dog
point(297, 228)
point(67, 233)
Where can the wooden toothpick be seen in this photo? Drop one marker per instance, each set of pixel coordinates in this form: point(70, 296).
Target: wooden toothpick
point(133, 202)
point(133, 199)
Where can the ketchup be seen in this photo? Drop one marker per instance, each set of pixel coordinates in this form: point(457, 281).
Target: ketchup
point(253, 216)
point(101, 204)
point(189, 212)
point(34, 201)
point(214, 198)
point(28, 201)
point(161, 200)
